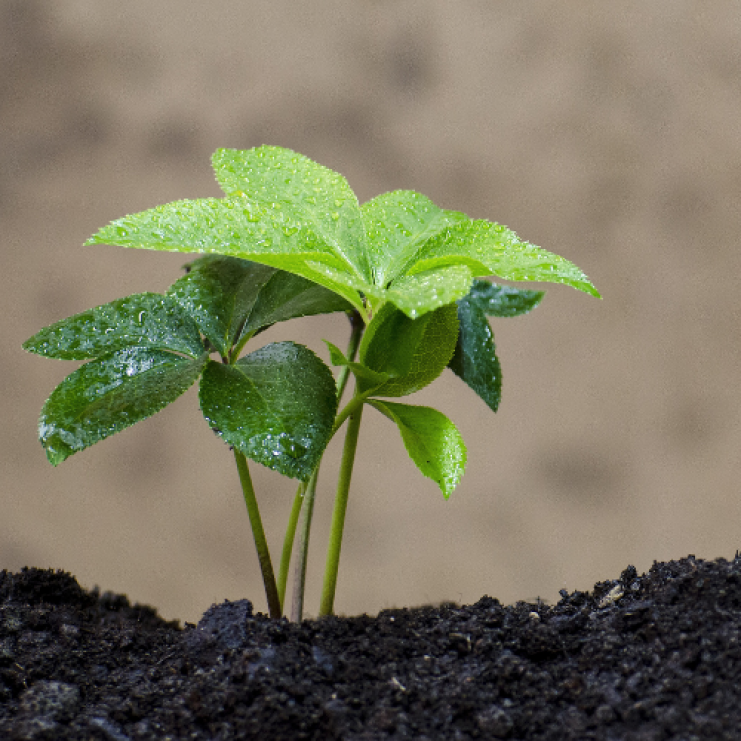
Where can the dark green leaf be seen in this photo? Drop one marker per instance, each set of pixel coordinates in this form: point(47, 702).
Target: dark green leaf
point(414, 352)
point(432, 441)
point(276, 405)
point(230, 298)
point(111, 393)
point(286, 296)
point(219, 293)
point(475, 360)
point(502, 301)
point(146, 320)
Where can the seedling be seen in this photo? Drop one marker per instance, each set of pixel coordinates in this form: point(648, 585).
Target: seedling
point(290, 240)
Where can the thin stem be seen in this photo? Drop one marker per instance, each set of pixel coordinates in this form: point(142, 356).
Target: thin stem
point(305, 502)
point(285, 557)
point(356, 323)
point(338, 514)
point(299, 583)
point(263, 554)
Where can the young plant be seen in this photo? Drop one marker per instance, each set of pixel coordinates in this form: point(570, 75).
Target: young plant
point(289, 240)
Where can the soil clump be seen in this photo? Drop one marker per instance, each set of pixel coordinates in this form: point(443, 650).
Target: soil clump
point(645, 657)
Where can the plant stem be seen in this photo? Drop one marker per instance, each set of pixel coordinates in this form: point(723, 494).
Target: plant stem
point(263, 554)
point(299, 582)
point(304, 500)
point(357, 327)
point(338, 514)
point(285, 557)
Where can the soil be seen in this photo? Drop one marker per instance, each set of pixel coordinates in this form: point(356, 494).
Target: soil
point(647, 657)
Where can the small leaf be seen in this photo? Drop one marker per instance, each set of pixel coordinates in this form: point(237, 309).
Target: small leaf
point(230, 298)
point(502, 301)
point(146, 320)
point(414, 352)
point(276, 405)
point(474, 360)
point(219, 292)
point(432, 441)
point(110, 394)
point(370, 377)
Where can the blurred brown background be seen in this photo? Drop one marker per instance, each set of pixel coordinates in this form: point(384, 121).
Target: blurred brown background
point(606, 132)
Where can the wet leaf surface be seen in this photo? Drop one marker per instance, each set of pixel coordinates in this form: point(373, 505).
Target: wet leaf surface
point(432, 441)
point(110, 394)
point(146, 320)
point(276, 405)
point(284, 210)
point(231, 298)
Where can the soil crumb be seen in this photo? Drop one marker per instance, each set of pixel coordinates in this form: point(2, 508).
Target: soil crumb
point(645, 657)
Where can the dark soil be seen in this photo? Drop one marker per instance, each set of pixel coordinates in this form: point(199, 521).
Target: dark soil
point(643, 657)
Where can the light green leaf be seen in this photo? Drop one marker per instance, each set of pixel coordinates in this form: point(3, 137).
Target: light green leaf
point(422, 292)
point(397, 224)
point(414, 352)
point(146, 320)
point(276, 405)
point(288, 212)
point(111, 393)
point(492, 249)
point(231, 298)
point(314, 195)
point(274, 234)
point(432, 441)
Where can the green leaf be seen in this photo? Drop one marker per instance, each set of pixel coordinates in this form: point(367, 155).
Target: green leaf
point(492, 249)
point(312, 194)
point(146, 320)
point(432, 441)
point(474, 360)
point(111, 393)
point(502, 301)
point(231, 298)
point(372, 378)
point(276, 405)
point(422, 292)
point(288, 212)
point(273, 234)
point(414, 352)
point(286, 296)
point(397, 225)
